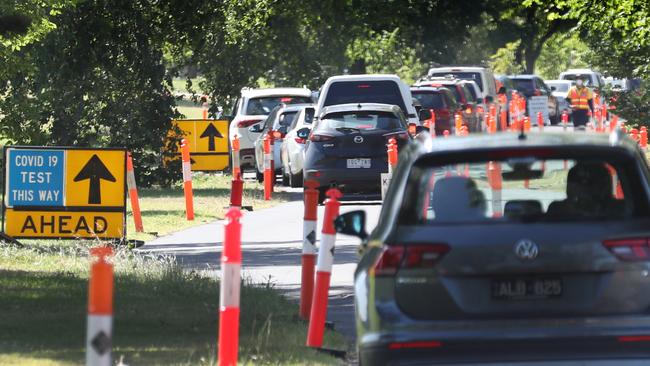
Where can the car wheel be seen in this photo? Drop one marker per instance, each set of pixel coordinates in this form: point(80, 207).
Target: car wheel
point(295, 180)
point(259, 176)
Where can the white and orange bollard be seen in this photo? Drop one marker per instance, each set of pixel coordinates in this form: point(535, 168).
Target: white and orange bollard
point(230, 290)
point(187, 180)
point(432, 123)
point(458, 123)
point(99, 331)
point(565, 120)
point(392, 154)
point(496, 185)
point(236, 164)
point(323, 271)
point(613, 123)
point(268, 168)
point(309, 228)
point(133, 194)
point(540, 121)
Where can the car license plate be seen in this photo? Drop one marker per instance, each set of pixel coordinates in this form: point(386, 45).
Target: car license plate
point(526, 288)
point(358, 163)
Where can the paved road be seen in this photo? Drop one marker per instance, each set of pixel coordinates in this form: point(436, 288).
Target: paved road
point(271, 249)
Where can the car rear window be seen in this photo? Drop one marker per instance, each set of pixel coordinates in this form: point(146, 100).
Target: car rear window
point(285, 119)
point(525, 86)
point(559, 87)
point(264, 105)
point(474, 76)
point(587, 78)
point(430, 99)
point(524, 188)
point(362, 120)
point(382, 91)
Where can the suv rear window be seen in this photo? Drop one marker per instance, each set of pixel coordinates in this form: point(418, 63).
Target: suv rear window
point(532, 189)
point(264, 105)
point(362, 120)
point(474, 76)
point(525, 86)
point(430, 99)
point(380, 91)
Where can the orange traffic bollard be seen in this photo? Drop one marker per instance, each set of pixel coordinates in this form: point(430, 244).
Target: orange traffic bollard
point(230, 289)
point(236, 165)
point(634, 134)
point(643, 137)
point(99, 331)
point(496, 184)
point(133, 194)
point(236, 191)
point(268, 172)
point(503, 120)
point(445, 133)
point(187, 180)
point(599, 120)
point(613, 123)
point(205, 113)
point(540, 121)
point(323, 271)
point(392, 154)
point(308, 247)
point(458, 122)
point(526, 124)
point(565, 120)
point(432, 123)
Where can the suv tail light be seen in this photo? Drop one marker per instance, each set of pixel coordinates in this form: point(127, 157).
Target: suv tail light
point(247, 123)
point(411, 256)
point(629, 250)
point(320, 138)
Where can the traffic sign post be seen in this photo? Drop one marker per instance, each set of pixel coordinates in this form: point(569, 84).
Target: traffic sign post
point(64, 192)
point(208, 143)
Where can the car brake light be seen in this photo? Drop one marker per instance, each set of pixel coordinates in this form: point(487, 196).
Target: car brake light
point(286, 100)
point(631, 250)
point(363, 86)
point(320, 138)
point(636, 338)
point(421, 344)
point(247, 123)
point(300, 141)
point(410, 256)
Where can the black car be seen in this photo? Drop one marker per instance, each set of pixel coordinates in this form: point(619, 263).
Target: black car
point(347, 147)
point(533, 85)
point(489, 248)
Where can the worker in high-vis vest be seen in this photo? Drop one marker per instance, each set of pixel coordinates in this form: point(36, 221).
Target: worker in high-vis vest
point(581, 99)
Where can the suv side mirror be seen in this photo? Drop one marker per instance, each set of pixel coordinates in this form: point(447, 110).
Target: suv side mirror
point(424, 114)
point(303, 133)
point(352, 223)
point(257, 128)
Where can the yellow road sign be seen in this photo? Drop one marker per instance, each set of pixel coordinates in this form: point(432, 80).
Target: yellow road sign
point(95, 178)
point(64, 192)
point(57, 224)
point(208, 142)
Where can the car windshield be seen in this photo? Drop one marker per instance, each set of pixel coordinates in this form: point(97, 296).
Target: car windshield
point(586, 78)
point(474, 76)
point(525, 86)
point(559, 87)
point(383, 91)
point(264, 105)
point(429, 100)
point(362, 120)
point(524, 188)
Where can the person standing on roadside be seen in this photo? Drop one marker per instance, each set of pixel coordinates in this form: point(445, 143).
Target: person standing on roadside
point(581, 99)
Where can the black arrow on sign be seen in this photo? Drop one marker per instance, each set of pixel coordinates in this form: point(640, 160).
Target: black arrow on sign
point(211, 132)
point(94, 170)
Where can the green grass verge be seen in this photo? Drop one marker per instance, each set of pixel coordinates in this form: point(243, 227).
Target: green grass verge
point(163, 315)
point(163, 210)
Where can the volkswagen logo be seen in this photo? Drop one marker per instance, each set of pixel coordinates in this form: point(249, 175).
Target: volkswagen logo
point(526, 250)
point(358, 139)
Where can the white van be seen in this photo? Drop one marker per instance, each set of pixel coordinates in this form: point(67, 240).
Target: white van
point(376, 88)
point(482, 76)
point(593, 79)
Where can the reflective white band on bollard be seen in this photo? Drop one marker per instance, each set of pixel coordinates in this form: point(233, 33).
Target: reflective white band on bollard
point(99, 340)
point(231, 285)
point(309, 237)
point(326, 253)
point(187, 171)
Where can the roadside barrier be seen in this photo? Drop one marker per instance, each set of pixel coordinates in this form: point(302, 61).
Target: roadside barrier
point(268, 173)
point(187, 180)
point(99, 331)
point(392, 154)
point(133, 194)
point(323, 271)
point(643, 137)
point(236, 192)
point(309, 228)
point(496, 184)
point(236, 165)
point(230, 289)
point(540, 121)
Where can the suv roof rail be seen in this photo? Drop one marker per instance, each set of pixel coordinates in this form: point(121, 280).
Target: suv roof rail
point(459, 65)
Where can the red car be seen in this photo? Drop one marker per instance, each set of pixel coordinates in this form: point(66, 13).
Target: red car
point(463, 97)
point(442, 102)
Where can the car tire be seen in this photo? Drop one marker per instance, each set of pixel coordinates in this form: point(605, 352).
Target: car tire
point(295, 180)
point(259, 176)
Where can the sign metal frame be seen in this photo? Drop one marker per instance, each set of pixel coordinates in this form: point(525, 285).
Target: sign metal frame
point(81, 209)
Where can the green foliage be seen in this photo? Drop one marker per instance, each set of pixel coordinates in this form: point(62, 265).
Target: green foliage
point(386, 52)
point(618, 31)
point(561, 52)
point(504, 61)
point(634, 106)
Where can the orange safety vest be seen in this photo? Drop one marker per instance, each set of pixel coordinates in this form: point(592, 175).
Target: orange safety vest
point(580, 100)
